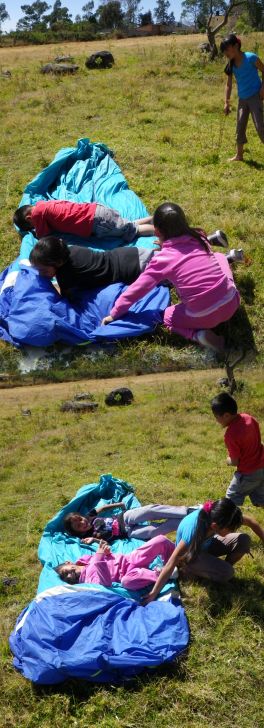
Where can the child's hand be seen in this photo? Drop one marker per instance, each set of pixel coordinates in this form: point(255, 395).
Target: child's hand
point(147, 599)
point(104, 548)
point(157, 243)
point(227, 109)
point(107, 320)
point(122, 505)
point(88, 540)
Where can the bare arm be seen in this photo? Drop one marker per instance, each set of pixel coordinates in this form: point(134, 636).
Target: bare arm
point(254, 525)
point(260, 67)
point(232, 461)
point(166, 572)
point(228, 92)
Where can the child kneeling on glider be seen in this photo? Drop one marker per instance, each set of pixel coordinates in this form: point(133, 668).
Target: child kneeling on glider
point(202, 279)
point(203, 537)
point(131, 570)
point(79, 218)
point(128, 524)
point(78, 267)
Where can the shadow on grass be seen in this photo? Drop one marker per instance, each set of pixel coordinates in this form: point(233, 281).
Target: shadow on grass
point(82, 690)
point(238, 331)
point(252, 163)
point(247, 594)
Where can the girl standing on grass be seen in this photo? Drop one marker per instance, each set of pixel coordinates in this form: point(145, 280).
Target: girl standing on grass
point(203, 537)
point(202, 279)
point(245, 67)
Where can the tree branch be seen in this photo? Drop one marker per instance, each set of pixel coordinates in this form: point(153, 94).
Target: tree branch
point(223, 22)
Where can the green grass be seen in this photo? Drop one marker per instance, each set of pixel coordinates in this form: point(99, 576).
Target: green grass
point(160, 108)
point(169, 446)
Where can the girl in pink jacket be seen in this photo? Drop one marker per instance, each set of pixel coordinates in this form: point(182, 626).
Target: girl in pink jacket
point(202, 279)
point(131, 570)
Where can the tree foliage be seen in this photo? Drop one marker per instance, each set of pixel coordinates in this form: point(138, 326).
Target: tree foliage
point(3, 14)
point(59, 16)
point(162, 14)
point(131, 11)
point(34, 16)
point(110, 15)
point(145, 18)
point(196, 12)
point(88, 10)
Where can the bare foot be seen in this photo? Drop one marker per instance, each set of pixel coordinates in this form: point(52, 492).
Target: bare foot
point(236, 158)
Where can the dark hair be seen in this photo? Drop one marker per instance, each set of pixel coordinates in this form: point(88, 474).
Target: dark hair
point(230, 40)
point(70, 579)
point(224, 513)
point(170, 220)
point(223, 403)
point(69, 528)
point(20, 221)
point(49, 251)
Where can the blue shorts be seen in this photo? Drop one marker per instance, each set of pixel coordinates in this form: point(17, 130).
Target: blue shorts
point(243, 484)
point(108, 223)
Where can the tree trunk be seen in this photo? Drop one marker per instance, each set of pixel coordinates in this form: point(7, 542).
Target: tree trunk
point(212, 32)
point(212, 44)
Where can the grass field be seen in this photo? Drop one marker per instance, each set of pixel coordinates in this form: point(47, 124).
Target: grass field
point(161, 110)
point(168, 445)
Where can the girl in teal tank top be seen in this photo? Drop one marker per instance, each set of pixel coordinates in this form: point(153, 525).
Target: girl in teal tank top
point(245, 67)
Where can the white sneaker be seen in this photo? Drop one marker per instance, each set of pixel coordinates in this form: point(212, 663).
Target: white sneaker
point(218, 238)
point(236, 255)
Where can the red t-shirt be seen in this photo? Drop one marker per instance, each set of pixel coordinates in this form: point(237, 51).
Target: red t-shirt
point(243, 441)
point(63, 217)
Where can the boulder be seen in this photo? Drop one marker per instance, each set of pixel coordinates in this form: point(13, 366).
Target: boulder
point(101, 59)
point(59, 68)
point(204, 47)
point(83, 395)
point(64, 59)
point(71, 406)
point(117, 397)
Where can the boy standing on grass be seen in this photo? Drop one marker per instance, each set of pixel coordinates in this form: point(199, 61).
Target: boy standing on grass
point(245, 68)
point(245, 450)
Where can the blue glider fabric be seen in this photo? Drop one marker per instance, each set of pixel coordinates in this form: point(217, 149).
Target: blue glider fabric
point(88, 630)
point(31, 312)
point(96, 636)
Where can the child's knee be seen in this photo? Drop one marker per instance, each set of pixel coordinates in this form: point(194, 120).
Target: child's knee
point(243, 543)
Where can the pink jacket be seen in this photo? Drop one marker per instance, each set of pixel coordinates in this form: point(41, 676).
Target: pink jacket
point(202, 279)
point(101, 569)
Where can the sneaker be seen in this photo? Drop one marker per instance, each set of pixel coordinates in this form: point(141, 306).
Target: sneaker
point(218, 238)
point(210, 340)
point(236, 256)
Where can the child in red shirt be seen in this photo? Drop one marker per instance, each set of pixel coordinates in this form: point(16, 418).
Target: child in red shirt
point(245, 450)
point(79, 218)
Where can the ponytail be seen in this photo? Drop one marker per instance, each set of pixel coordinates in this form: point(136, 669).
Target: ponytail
point(223, 512)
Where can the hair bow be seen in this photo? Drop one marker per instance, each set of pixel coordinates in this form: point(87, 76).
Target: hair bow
point(207, 506)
